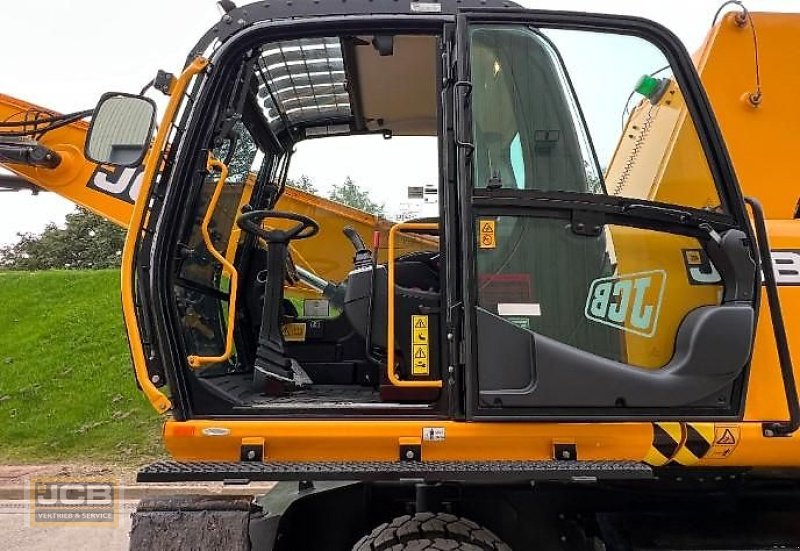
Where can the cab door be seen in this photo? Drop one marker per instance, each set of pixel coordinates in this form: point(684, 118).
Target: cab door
point(608, 259)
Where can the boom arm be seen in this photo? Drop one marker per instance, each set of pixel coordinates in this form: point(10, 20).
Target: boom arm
point(106, 191)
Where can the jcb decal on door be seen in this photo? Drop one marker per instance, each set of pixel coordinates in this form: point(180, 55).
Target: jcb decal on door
point(629, 302)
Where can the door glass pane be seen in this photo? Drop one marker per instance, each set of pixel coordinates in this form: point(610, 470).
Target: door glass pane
point(621, 295)
point(578, 111)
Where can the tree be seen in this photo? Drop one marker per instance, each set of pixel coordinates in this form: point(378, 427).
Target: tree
point(87, 241)
point(244, 153)
point(303, 183)
point(349, 193)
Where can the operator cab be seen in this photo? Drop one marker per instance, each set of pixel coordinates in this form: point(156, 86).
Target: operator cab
point(571, 263)
point(316, 252)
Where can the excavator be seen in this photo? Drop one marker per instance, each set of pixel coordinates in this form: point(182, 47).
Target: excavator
point(590, 347)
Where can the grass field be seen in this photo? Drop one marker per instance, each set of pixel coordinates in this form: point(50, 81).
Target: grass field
point(67, 391)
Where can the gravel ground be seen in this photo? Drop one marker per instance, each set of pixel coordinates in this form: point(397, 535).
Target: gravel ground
point(19, 534)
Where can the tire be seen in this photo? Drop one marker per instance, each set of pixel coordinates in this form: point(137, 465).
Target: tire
point(430, 532)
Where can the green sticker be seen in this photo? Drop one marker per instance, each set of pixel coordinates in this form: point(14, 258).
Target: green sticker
point(524, 323)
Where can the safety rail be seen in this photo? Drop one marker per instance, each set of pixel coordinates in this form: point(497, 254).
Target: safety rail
point(390, 359)
point(233, 275)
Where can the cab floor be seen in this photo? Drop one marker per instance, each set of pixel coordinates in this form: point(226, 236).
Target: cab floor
point(239, 387)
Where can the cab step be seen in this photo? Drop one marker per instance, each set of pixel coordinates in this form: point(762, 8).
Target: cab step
point(243, 472)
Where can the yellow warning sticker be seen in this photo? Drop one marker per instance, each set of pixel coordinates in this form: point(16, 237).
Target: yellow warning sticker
point(419, 329)
point(294, 332)
point(726, 438)
point(693, 257)
point(420, 360)
point(486, 234)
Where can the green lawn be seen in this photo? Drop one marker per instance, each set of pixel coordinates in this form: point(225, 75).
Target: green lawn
point(67, 391)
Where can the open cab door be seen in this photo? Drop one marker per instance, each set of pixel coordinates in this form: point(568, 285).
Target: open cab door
point(608, 272)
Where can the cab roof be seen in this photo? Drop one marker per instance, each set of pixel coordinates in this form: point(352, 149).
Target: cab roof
point(239, 18)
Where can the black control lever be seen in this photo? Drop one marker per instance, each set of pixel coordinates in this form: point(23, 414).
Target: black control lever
point(355, 238)
point(363, 257)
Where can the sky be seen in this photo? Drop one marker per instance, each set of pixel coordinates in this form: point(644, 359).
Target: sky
point(64, 54)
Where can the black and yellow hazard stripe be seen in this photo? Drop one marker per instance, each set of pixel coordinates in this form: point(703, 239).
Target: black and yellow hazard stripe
point(698, 441)
point(666, 442)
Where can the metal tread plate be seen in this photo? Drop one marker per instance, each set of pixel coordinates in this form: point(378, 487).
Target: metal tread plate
point(176, 471)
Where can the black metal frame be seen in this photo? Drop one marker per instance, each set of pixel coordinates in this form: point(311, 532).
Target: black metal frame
point(238, 19)
point(184, 190)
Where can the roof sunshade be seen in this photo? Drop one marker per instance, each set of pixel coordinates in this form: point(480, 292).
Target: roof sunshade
point(303, 81)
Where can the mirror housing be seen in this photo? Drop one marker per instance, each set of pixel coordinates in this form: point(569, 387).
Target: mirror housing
point(121, 129)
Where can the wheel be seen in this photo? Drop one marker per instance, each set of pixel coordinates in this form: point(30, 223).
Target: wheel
point(429, 531)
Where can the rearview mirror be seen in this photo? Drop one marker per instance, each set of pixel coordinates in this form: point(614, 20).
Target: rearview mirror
point(121, 127)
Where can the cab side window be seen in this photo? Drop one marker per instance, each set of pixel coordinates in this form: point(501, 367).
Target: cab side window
point(547, 116)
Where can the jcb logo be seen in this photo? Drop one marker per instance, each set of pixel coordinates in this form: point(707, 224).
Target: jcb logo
point(121, 182)
point(629, 302)
point(76, 502)
point(785, 265)
point(74, 494)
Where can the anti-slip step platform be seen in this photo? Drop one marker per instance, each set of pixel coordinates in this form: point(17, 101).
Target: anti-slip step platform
point(243, 472)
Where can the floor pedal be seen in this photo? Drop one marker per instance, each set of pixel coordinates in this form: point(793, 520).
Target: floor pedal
point(301, 378)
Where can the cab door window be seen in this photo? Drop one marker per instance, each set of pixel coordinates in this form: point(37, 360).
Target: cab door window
point(548, 116)
point(577, 111)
